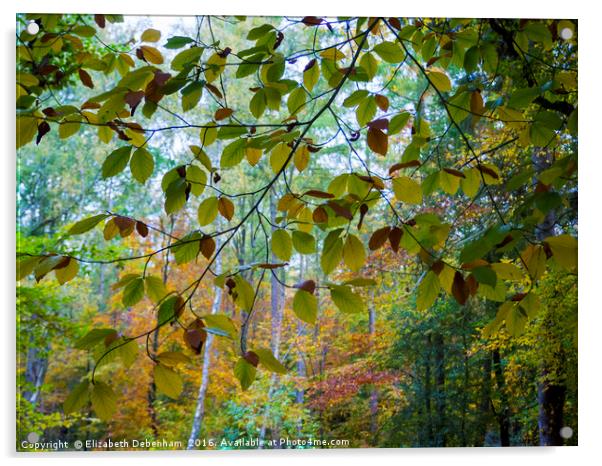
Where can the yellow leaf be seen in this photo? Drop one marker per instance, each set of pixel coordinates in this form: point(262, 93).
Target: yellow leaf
point(150, 35)
point(152, 55)
point(407, 190)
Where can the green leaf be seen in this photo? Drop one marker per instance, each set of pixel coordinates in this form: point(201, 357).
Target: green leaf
point(282, 246)
point(305, 306)
point(197, 179)
point(87, 224)
point(390, 52)
point(355, 98)
point(346, 300)
point(245, 294)
point(258, 103)
point(296, 100)
point(268, 360)
point(185, 57)
point(303, 242)
point(440, 80)
point(172, 358)
point(142, 165)
point(187, 249)
point(167, 381)
point(191, 95)
point(485, 275)
point(207, 211)
point(94, 337)
point(104, 401)
point(278, 157)
point(428, 290)
point(398, 122)
point(354, 254)
point(133, 292)
point(78, 397)
point(564, 250)
point(116, 162)
point(64, 274)
point(332, 252)
point(366, 110)
point(245, 373)
point(177, 42)
point(407, 190)
point(155, 288)
point(221, 322)
point(472, 182)
point(311, 76)
point(233, 153)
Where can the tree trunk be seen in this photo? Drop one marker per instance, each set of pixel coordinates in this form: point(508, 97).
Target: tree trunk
point(199, 412)
point(550, 392)
point(440, 434)
point(373, 393)
point(504, 411)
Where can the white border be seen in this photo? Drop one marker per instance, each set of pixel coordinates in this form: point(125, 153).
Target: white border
point(589, 237)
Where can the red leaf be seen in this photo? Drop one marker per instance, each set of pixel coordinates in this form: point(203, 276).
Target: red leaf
point(395, 237)
point(378, 141)
point(307, 285)
point(252, 358)
point(460, 289)
point(142, 229)
point(312, 21)
point(85, 78)
point(222, 113)
point(379, 238)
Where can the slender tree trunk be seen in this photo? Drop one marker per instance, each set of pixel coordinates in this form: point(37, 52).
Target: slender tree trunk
point(551, 392)
point(484, 403)
point(277, 304)
point(428, 394)
point(199, 412)
point(373, 392)
point(440, 434)
point(504, 411)
point(152, 389)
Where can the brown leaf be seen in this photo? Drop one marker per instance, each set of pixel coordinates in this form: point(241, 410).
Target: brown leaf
point(252, 358)
point(379, 123)
point(223, 113)
point(488, 171)
point(399, 166)
point(379, 238)
point(476, 103)
point(378, 141)
point(100, 20)
point(207, 246)
point(311, 63)
point(382, 102)
point(318, 194)
point(85, 78)
point(269, 266)
point(395, 23)
point(460, 289)
point(340, 210)
point(214, 90)
point(125, 225)
point(307, 285)
point(473, 284)
point(225, 208)
point(454, 172)
point(43, 128)
point(142, 229)
point(395, 237)
point(437, 266)
point(312, 21)
point(320, 215)
point(363, 212)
